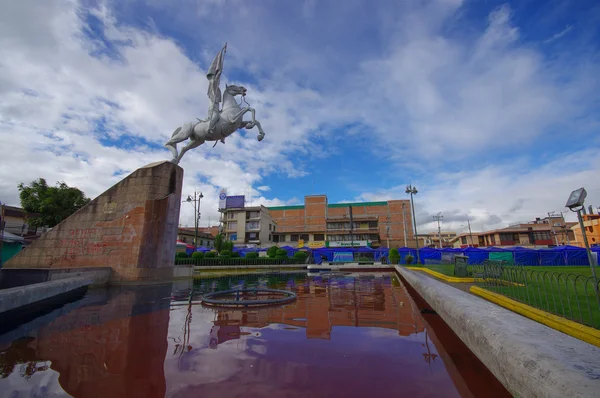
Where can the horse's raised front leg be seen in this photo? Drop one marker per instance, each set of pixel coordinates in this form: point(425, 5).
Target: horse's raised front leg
point(256, 123)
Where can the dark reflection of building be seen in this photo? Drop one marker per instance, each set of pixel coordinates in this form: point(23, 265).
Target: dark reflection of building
point(115, 349)
point(360, 301)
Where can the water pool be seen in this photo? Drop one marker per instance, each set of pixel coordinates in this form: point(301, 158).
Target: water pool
point(346, 335)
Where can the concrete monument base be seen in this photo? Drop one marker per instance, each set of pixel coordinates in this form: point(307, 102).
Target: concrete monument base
point(131, 228)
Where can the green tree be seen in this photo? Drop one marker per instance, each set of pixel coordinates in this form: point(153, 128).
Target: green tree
point(51, 205)
point(219, 243)
point(394, 256)
point(228, 245)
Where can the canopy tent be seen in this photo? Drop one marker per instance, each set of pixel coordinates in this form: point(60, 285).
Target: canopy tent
point(525, 256)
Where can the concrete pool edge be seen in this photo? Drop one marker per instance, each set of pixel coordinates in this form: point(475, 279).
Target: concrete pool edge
point(528, 358)
point(17, 297)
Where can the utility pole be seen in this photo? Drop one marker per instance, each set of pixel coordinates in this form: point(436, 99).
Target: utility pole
point(196, 200)
point(470, 233)
point(351, 226)
point(413, 191)
point(404, 225)
point(550, 215)
point(438, 217)
point(565, 228)
point(387, 229)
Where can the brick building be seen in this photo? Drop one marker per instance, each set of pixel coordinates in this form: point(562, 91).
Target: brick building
point(541, 232)
point(318, 224)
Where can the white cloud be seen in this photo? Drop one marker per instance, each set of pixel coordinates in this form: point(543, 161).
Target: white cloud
point(499, 195)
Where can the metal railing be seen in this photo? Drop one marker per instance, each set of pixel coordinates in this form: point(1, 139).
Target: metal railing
point(569, 295)
point(260, 261)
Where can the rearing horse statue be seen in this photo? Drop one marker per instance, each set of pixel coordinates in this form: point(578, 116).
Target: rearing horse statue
point(220, 123)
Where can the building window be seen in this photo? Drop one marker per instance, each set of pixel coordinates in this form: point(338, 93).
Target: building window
point(253, 235)
point(304, 237)
point(463, 240)
point(270, 227)
point(184, 239)
point(252, 214)
point(270, 238)
point(541, 235)
point(319, 236)
point(507, 237)
point(230, 216)
point(294, 237)
point(233, 237)
point(276, 238)
point(232, 225)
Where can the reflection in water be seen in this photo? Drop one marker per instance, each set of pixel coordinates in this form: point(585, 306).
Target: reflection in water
point(345, 335)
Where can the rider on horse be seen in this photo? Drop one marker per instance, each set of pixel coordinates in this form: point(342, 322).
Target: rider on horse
point(214, 92)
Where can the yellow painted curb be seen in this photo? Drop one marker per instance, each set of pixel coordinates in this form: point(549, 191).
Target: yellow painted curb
point(577, 330)
point(442, 276)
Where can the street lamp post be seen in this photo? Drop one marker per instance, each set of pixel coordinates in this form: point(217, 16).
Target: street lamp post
point(575, 203)
point(196, 200)
point(413, 191)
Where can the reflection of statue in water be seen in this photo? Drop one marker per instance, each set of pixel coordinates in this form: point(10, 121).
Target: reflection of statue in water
point(221, 123)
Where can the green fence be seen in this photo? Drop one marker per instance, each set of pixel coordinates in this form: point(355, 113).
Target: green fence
point(567, 294)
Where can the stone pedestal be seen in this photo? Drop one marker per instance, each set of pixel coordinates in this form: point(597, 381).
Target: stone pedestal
point(131, 228)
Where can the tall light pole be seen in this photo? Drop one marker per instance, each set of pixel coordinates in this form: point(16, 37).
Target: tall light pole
point(413, 191)
point(575, 204)
point(404, 224)
point(196, 200)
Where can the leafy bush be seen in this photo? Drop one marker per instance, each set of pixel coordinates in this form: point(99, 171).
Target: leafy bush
point(181, 255)
point(197, 255)
point(235, 255)
point(210, 255)
point(225, 253)
point(281, 254)
point(272, 252)
point(409, 259)
point(394, 256)
point(251, 255)
point(301, 256)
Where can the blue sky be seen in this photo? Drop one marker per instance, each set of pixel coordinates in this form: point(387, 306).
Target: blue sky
point(489, 107)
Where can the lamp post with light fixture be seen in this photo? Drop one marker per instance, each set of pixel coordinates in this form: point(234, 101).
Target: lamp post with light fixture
point(575, 203)
point(413, 191)
point(196, 200)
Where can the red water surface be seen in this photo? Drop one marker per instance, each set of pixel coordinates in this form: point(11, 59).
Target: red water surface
point(359, 335)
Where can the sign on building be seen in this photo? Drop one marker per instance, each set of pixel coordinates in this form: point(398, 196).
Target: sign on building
point(356, 243)
point(222, 198)
point(234, 202)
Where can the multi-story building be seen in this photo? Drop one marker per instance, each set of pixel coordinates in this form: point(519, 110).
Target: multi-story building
point(591, 224)
point(319, 224)
point(546, 231)
point(15, 222)
point(250, 226)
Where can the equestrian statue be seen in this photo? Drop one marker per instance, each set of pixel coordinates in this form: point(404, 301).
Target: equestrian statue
point(221, 122)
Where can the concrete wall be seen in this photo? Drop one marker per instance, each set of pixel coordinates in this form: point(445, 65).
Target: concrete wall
point(13, 277)
point(530, 359)
point(11, 299)
point(131, 228)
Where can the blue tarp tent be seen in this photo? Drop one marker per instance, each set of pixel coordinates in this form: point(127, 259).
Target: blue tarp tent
point(427, 254)
point(525, 256)
point(554, 256)
point(575, 255)
point(476, 255)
